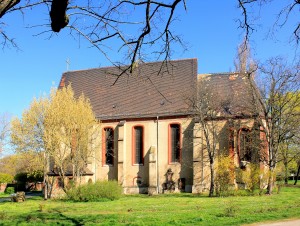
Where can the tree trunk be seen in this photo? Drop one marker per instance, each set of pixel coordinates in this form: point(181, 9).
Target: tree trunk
point(297, 175)
point(270, 181)
point(212, 180)
point(286, 173)
point(272, 161)
point(45, 189)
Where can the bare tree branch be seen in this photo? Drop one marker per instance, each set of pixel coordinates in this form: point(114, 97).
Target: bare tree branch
point(119, 21)
point(283, 16)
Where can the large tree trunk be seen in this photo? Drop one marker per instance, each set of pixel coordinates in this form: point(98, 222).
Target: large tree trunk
point(45, 188)
point(5, 5)
point(212, 179)
point(270, 181)
point(272, 161)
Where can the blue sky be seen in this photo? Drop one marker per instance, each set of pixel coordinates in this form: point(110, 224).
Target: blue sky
point(210, 30)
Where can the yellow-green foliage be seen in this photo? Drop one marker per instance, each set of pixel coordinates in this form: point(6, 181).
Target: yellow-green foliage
point(69, 127)
point(61, 126)
point(251, 176)
point(6, 178)
point(223, 175)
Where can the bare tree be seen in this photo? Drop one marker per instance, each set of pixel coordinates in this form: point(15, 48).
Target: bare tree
point(137, 26)
point(279, 85)
point(244, 63)
point(206, 106)
point(251, 8)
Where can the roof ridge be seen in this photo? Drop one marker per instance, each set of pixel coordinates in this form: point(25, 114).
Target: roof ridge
point(117, 66)
point(220, 73)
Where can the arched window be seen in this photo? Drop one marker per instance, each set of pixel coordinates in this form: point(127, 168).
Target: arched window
point(138, 145)
point(174, 143)
point(108, 146)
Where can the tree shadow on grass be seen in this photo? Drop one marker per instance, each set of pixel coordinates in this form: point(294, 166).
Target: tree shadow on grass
point(52, 217)
point(58, 217)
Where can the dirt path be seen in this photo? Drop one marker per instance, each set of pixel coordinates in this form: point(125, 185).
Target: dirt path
point(290, 222)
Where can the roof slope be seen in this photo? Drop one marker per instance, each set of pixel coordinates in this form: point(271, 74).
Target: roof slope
point(144, 93)
point(229, 93)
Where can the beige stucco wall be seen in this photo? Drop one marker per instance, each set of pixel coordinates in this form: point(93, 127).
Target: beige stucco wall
point(128, 173)
point(194, 164)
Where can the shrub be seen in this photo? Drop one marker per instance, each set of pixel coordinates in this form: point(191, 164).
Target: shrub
point(99, 191)
point(35, 176)
point(224, 176)
point(21, 179)
point(6, 178)
point(9, 190)
point(250, 176)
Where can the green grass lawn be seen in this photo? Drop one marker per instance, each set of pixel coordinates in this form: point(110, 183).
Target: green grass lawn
point(175, 209)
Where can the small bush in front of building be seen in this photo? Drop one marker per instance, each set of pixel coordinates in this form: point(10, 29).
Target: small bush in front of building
point(224, 176)
point(9, 190)
point(250, 177)
point(93, 192)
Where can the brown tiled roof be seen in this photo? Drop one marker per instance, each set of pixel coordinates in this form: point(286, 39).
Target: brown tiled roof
point(231, 93)
point(144, 93)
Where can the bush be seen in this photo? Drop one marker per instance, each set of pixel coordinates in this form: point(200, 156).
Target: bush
point(9, 190)
point(250, 177)
point(35, 176)
point(99, 191)
point(224, 176)
point(6, 178)
point(21, 179)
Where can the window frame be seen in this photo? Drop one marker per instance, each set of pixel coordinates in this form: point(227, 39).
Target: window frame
point(104, 151)
point(241, 131)
point(134, 145)
point(170, 143)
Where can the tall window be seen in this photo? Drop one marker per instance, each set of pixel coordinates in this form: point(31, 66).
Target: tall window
point(108, 146)
point(138, 145)
point(245, 145)
point(174, 143)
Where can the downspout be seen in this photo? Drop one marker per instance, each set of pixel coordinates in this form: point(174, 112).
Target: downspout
point(95, 158)
point(157, 170)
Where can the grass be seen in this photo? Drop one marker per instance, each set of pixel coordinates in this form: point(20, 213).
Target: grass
point(4, 195)
point(175, 209)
